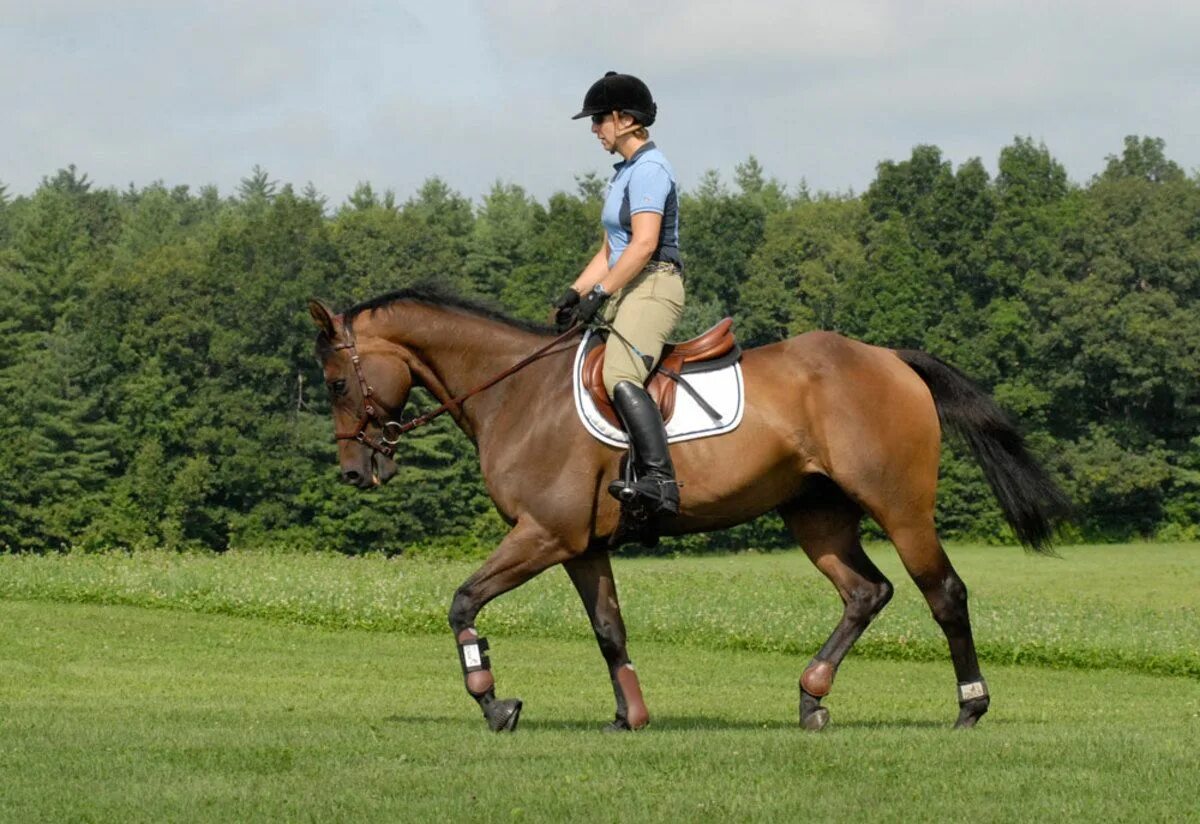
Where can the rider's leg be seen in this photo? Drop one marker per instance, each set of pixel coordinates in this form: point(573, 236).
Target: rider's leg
point(642, 315)
point(655, 472)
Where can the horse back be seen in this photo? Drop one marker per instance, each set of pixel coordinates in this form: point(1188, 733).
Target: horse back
point(838, 403)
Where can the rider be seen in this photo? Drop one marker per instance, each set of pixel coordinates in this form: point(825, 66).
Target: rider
point(636, 276)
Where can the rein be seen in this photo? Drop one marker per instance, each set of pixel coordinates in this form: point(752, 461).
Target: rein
point(391, 431)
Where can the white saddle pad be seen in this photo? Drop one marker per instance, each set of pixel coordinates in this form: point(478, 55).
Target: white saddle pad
point(722, 389)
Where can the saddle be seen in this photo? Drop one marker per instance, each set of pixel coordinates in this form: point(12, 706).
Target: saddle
point(714, 349)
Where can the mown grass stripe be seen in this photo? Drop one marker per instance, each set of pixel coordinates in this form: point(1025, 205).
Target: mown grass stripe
point(118, 714)
point(1131, 608)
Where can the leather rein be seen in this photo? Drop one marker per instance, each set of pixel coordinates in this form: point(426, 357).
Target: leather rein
point(391, 431)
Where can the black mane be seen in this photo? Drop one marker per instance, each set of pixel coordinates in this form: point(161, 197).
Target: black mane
point(437, 295)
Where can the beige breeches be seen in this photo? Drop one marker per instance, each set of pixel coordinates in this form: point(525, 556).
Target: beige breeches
point(644, 312)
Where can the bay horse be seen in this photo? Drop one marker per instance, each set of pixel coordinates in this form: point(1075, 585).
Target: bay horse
point(834, 429)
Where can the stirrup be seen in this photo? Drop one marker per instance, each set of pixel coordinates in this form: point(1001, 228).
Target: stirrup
point(650, 491)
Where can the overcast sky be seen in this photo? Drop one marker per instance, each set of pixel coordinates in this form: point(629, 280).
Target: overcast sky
point(395, 92)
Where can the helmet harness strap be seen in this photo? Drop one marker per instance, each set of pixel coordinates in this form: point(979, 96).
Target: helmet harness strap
point(618, 130)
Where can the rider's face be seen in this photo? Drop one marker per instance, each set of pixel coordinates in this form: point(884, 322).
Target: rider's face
point(605, 129)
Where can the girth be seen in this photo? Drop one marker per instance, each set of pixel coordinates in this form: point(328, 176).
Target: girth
point(714, 349)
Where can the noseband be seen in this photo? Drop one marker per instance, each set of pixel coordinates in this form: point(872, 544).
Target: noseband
point(391, 431)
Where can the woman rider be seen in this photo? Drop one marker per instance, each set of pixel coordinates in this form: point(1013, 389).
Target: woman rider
point(636, 276)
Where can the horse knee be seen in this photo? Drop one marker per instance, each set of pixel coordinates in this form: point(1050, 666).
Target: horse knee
point(462, 610)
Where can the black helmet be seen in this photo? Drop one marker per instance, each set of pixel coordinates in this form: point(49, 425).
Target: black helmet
point(622, 93)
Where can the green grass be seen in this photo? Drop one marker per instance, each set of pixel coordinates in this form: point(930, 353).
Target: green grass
point(125, 714)
point(1132, 607)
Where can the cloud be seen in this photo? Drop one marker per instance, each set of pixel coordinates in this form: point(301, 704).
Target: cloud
point(133, 90)
point(827, 90)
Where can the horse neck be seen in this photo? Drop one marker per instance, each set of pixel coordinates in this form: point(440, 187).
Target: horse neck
point(461, 349)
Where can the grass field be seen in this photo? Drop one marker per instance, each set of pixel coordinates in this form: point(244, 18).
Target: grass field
point(311, 688)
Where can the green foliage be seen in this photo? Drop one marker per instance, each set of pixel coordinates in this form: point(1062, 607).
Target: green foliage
point(801, 270)
point(1143, 159)
point(157, 383)
point(565, 237)
point(720, 232)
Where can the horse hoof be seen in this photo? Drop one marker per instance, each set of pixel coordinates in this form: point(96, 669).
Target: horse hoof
point(813, 716)
point(970, 712)
point(502, 716)
point(618, 725)
point(816, 720)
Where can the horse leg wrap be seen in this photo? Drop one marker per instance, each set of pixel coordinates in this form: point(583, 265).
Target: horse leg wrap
point(973, 700)
point(817, 679)
point(815, 684)
point(972, 690)
point(476, 668)
point(636, 714)
point(501, 714)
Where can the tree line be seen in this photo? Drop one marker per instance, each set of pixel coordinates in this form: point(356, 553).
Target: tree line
point(158, 385)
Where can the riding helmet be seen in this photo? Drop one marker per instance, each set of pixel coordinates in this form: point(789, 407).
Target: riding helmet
point(622, 93)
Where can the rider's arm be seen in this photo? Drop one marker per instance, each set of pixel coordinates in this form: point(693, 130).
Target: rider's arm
point(596, 269)
point(646, 228)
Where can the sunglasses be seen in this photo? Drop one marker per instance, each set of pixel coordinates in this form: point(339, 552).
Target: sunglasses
point(597, 119)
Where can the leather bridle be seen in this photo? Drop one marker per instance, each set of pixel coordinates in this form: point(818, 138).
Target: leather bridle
point(391, 431)
point(385, 444)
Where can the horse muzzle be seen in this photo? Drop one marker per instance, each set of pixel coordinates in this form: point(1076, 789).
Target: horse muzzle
point(362, 480)
point(377, 471)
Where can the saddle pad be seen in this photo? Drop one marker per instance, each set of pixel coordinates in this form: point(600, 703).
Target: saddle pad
point(722, 389)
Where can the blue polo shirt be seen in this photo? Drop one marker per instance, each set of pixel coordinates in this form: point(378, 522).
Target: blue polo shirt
point(643, 183)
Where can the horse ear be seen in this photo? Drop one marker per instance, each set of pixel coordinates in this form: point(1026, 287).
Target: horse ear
point(322, 317)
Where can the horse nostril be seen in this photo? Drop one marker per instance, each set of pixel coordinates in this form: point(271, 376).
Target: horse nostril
point(351, 477)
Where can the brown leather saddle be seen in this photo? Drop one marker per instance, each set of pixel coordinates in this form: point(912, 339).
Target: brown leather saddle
point(714, 349)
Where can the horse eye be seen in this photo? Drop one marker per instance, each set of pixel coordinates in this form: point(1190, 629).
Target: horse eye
point(338, 387)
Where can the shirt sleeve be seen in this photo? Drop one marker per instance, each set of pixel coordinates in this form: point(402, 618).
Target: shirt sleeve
point(649, 187)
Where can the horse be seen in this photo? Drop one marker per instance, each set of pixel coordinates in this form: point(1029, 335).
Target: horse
point(834, 430)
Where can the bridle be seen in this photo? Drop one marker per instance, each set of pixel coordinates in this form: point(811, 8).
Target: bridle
point(391, 431)
point(385, 444)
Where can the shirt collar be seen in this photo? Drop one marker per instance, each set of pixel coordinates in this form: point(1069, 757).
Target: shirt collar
point(645, 148)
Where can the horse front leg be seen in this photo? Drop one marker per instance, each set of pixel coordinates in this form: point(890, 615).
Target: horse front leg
point(591, 573)
point(525, 551)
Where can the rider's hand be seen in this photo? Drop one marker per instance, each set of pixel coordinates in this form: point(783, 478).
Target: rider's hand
point(590, 305)
point(564, 309)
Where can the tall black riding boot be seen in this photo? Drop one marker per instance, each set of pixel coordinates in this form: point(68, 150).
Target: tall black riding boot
point(652, 461)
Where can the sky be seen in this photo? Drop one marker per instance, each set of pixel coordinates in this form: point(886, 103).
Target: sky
point(135, 91)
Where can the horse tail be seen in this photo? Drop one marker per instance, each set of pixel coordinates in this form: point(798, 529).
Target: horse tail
point(1030, 499)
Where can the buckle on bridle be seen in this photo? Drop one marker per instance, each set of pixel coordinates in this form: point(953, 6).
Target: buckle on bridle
point(389, 427)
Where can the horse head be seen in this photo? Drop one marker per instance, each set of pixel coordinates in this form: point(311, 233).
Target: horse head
point(369, 381)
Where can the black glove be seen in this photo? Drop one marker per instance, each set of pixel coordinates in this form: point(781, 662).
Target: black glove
point(564, 306)
point(590, 305)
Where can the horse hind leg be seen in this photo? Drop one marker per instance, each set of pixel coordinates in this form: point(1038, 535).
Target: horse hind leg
point(931, 570)
point(592, 575)
point(829, 533)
